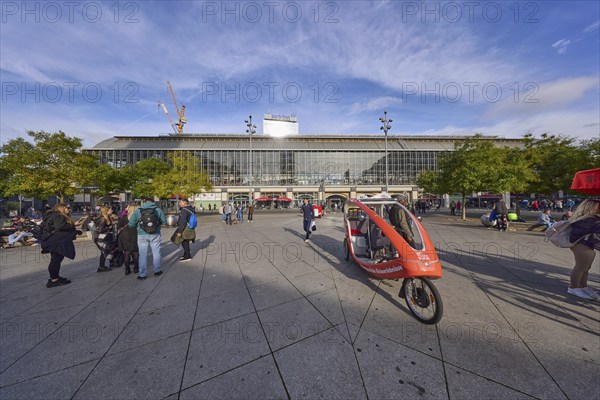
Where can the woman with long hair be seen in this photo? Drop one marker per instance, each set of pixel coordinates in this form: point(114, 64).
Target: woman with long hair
point(127, 239)
point(61, 230)
point(104, 237)
point(586, 233)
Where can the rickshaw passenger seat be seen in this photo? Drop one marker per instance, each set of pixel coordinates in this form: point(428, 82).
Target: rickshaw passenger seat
point(376, 237)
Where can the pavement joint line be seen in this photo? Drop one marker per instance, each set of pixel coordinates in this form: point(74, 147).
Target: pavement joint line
point(189, 344)
point(262, 327)
point(460, 262)
point(125, 326)
point(59, 327)
point(438, 336)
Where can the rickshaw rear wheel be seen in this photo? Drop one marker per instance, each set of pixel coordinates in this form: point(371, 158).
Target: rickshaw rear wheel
point(423, 300)
point(346, 249)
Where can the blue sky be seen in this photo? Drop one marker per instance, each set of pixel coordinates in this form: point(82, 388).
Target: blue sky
point(97, 69)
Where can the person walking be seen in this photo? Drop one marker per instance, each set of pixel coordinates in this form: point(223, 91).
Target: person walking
point(148, 219)
point(452, 208)
point(184, 228)
point(586, 232)
point(127, 238)
point(250, 212)
point(308, 217)
point(59, 243)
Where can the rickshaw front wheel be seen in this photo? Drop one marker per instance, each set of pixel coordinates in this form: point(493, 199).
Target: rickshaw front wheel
point(423, 300)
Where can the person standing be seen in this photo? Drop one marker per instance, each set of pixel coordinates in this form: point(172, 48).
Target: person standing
point(500, 211)
point(452, 208)
point(59, 244)
point(184, 230)
point(308, 217)
point(240, 213)
point(148, 219)
point(106, 244)
point(127, 239)
point(586, 232)
point(250, 212)
point(228, 211)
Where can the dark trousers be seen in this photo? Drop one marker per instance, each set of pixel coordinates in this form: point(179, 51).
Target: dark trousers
point(186, 248)
point(54, 266)
point(228, 219)
point(250, 216)
point(307, 223)
point(128, 255)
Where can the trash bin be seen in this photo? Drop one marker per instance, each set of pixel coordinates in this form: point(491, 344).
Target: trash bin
point(172, 220)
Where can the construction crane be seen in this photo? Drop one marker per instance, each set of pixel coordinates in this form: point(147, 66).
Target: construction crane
point(181, 120)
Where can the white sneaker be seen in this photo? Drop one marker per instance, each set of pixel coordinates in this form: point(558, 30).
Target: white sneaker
point(591, 292)
point(305, 240)
point(579, 292)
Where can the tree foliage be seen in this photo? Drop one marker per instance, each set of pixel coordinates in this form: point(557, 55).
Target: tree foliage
point(185, 178)
point(52, 166)
point(555, 159)
point(140, 177)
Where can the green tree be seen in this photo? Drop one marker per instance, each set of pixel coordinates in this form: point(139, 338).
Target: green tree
point(140, 177)
point(429, 181)
point(468, 168)
point(185, 178)
point(53, 166)
point(555, 159)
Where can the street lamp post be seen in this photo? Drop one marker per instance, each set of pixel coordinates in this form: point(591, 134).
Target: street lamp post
point(251, 130)
point(385, 128)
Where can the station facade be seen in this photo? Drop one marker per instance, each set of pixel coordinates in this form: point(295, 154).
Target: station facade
point(281, 171)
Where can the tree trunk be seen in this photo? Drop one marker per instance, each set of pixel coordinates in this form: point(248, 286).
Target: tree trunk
point(463, 207)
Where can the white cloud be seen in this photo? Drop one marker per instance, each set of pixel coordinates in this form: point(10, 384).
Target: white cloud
point(562, 45)
point(378, 103)
point(543, 97)
point(593, 27)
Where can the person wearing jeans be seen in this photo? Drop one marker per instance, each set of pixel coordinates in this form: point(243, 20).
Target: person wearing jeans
point(146, 239)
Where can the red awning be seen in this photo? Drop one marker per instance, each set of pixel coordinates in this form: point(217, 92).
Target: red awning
point(263, 199)
point(283, 199)
point(587, 181)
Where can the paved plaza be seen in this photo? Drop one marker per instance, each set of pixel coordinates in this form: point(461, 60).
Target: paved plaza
point(259, 314)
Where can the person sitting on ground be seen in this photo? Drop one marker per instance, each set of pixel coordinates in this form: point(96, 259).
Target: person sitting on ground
point(23, 231)
point(544, 218)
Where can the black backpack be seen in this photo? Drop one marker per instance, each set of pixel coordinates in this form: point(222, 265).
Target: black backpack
point(149, 220)
point(41, 231)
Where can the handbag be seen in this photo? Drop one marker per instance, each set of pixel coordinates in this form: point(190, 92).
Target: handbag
point(313, 226)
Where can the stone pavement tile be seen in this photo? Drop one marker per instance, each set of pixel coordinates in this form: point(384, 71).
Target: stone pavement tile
point(311, 283)
point(322, 366)
point(258, 274)
point(58, 385)
point(578, 378)
point(26, 331)
point(392, 320)
point(169, 291)
point(221, 307)
point(85, 337)
point(506, 361)
point(390, 370)
point(274, 293)
point(328, 304)
point(356, 305)
point(217, 282)
point(152, 371)
point(218, 348)
point(291, 322)
point(467, 386)
point(256, 380)
point(155, 325)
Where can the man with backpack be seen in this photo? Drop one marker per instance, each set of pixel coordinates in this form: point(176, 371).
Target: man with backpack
point(186, 228)
point(148, 219)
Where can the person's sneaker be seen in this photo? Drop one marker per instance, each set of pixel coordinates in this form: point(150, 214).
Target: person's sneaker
point(59, 282)
point(184, 259)
point(306, 240)
point(159, 273)
point(591, 292)
point(141, 278)
point(579, 292)
point(103, 269)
